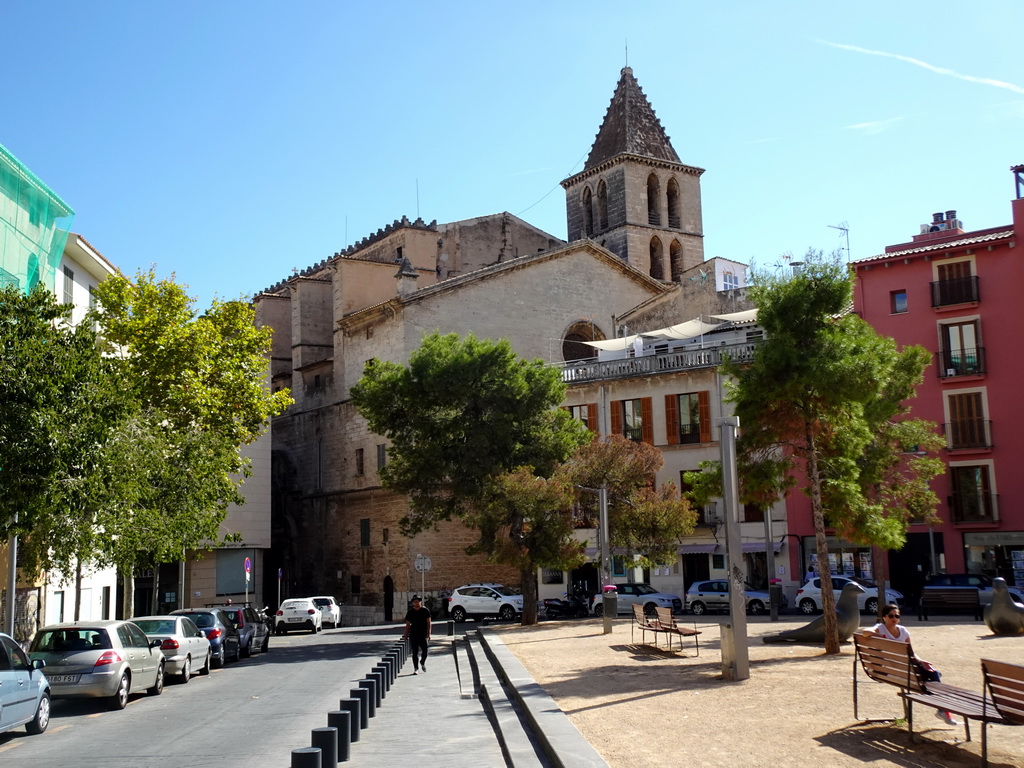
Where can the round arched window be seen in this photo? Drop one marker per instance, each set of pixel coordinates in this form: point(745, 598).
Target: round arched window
point(573, 346)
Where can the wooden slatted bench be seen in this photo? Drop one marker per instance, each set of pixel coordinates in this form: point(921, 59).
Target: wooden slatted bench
point(949, 599)
point(668, 624)
point(1004, 685)
point(893, 663)
point(645, 624)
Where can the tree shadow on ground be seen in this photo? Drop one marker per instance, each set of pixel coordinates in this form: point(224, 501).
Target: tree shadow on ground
point(889, 744)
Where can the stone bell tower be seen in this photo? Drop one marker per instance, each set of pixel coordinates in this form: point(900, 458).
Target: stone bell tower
point(634, 196)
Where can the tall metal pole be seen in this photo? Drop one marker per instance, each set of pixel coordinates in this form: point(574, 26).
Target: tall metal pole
point(609, 599)
point(735, 662)
point(769, 555)
point(12, 580)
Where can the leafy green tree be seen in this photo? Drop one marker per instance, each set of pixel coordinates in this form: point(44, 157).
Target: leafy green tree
point(646, 523)
point(199, 382)
point(464, 417)
point(823, 400)
point(526, 521)
point(461, 412)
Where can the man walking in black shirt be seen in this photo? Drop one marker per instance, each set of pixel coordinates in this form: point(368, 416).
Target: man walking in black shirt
point(417, 629)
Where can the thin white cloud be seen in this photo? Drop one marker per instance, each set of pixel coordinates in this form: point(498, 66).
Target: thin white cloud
point(930, 67)
point(874, 126)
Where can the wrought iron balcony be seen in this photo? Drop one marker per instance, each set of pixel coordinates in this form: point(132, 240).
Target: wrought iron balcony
point(961, 362)
point(974, 507)
point(962, 290)
point(968, 433)
point(653, 365)
point(707, 515)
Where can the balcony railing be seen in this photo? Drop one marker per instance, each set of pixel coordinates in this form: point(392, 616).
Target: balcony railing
point(976, 507)
point(968, 433)
point(652, 365)
point(636, 434)
point(962, 290)
point(961, 362)
point(689, 433)
point(708, 514)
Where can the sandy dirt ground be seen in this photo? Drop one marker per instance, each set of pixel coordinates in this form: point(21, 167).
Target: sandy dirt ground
point(640, 706)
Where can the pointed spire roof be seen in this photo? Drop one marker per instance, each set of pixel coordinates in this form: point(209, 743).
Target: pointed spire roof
point(630, 127)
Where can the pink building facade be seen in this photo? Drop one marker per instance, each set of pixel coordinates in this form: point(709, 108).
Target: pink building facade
point(960, 295)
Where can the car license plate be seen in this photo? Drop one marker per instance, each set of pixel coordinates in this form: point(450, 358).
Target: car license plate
point(296, 618)
point(62, 678)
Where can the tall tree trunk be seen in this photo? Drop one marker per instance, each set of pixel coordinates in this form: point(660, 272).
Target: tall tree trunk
point(154, 600)
point(128, 579)
point(528, 578)
point(78, 589)
point(828, 598)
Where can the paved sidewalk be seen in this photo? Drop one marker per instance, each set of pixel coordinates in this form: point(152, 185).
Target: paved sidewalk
point(423, 721)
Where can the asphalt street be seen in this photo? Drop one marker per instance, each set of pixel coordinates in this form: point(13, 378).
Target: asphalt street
point(253, 712)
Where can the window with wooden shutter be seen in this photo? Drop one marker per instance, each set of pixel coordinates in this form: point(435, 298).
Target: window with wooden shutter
point(647, 420)
point(967, 427)
point(704, 414)
point(616, 411)
point(592, 416)
point(672, 419)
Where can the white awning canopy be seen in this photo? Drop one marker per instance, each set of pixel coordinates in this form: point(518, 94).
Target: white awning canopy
point(688, 330)
point(746, 316)
point(613, 345)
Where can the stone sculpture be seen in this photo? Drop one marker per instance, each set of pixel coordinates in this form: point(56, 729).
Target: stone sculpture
point(847, 619)
point(1003, 615)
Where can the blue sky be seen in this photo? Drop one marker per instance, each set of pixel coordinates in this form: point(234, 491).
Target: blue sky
point(229, 142)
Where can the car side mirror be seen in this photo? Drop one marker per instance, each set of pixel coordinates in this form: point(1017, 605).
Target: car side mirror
point(154, 644)
point(38, 663)
point(199, 633)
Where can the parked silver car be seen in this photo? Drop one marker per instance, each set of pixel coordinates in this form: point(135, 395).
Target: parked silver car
point(713, 595)
point(104, 659)
point(184, 646)
point(634, 593)
point(24, 689)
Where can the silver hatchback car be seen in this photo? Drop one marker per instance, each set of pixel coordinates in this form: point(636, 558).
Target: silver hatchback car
point(99, 659)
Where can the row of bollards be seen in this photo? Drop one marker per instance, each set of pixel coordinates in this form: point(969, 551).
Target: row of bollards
point(333, 744)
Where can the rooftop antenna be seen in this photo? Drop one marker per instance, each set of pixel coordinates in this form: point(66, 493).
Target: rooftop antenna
point(845, 229)
point(627, 52)
point(417, 198)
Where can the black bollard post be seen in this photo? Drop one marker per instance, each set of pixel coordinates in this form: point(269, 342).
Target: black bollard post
point(352, 706)
point(370, 686)
point(342, 720)
point(307, 757)
point(326, 740)
point(385, 677)
point(393, 661)
point(363, 696)
point(378, 677)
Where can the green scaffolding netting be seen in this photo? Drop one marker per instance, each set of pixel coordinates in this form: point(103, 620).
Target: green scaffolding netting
point(34, 226)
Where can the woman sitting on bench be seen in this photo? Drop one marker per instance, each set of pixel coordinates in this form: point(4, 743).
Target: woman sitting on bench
point(889, 628)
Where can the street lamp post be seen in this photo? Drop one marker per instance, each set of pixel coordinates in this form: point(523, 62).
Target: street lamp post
point(735, 655)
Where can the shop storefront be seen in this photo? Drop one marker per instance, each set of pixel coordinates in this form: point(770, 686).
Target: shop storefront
point(844, 559)
point(996, 553)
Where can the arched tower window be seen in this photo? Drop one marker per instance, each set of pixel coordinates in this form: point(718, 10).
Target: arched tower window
point(602, 205)
point(674, 215)
point(573, 347)
point(588, 212)
point(675, 260)
point(653, 201)
point(657, 267)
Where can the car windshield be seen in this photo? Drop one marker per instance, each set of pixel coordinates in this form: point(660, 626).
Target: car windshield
point(202, 620)
point(295, 605)
point(156, 626)
point(645, 589)
point(321, 602)
point(65, 640)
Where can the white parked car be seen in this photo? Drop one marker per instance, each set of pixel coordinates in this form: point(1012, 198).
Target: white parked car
point(808, 597)
point(480, 600)
point(298, 613)
point(330, 611)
